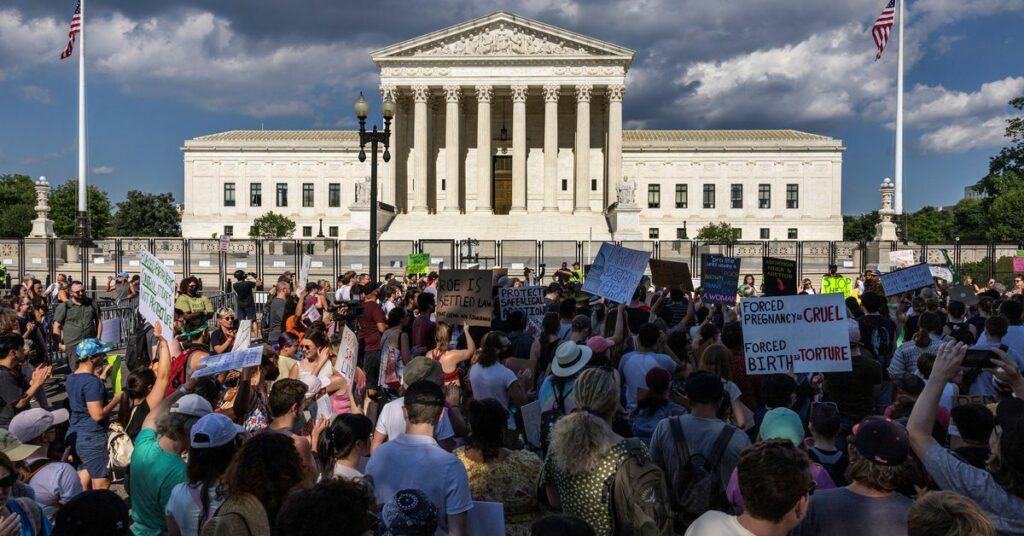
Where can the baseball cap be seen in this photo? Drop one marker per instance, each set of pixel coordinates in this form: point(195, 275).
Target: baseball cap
point(122, 274)
point(31, 423)
point(192, 404)
point(421, 368)
point(599, 344)
point(13, 448)
point(409, 513)
point(92, 513)
point(881, 440)
point(553, 287)
point(91, 348)
point(213, 430)
point(782, 423)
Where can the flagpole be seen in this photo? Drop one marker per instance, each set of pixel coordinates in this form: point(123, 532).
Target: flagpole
point(82, 221)
point(899, 111)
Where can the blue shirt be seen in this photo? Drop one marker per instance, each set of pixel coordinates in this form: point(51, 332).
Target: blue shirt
point(81, 389)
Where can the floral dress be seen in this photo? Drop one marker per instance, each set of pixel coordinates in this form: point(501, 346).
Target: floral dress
point(511, 482)
point(585, 496)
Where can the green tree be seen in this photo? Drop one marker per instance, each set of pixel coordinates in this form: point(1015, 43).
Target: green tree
point(1006, 216)
point(719, 232)
point(64, 210)
point(142, 214)
point(1004, 184)
point(970, 220)
point(272, 226)
point(930, 225)
point(860, 228)
point(18, 199)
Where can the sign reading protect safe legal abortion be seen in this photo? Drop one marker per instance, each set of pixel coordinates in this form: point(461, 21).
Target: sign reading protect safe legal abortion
point(529, 300)
point(465, 296)
point(156, 293)
point(806, 333)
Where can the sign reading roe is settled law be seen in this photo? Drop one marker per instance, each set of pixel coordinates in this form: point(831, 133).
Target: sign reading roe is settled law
point(804, 333)
point(465, 296)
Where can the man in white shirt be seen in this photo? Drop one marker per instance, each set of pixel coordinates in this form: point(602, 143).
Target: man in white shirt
point(391, 421)
point(634, 366)
point(775, 482)
point(414, 460)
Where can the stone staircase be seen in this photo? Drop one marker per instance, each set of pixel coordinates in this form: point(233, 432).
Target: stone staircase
point(530, 226)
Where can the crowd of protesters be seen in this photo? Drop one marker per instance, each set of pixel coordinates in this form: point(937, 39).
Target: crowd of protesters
point(644, 419)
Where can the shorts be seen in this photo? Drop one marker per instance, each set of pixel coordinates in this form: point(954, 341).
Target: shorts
point(371, 362)
point(90, 452)
point(246, 313)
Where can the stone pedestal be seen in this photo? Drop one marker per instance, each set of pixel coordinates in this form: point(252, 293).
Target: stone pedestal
point(360, 222)
point(886, 228)
point(42, 226)
point(625, 223)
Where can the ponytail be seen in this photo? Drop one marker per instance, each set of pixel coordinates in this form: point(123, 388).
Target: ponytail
point(926, 325)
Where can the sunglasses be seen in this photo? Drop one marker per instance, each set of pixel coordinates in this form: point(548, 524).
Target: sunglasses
point(227, 318)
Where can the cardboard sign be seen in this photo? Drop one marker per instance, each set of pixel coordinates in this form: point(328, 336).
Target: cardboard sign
point(903, 258)
point(348, 353)
point(529, 300)
point(836, 285)
point(941, 272)
point(465, 296)
point(616, 272)
point(964, 294)
point(156, 293)
point(1018, 264)
point(719, 276)
point(671, 274)
point(779, 276)
point(418, 263)
point(216, 364)
point(907, 279)
point(806, 333)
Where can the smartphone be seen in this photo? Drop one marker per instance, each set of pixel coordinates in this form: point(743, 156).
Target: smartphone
point(980, 358)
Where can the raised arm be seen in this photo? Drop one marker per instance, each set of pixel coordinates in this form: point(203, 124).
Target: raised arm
point(922, 417)
point(620, 324)
point(163, 368)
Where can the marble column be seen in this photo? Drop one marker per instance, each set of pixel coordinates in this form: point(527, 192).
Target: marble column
point(519, 148)
point(484, 94)
point(420, 94)
point(582, 150)
point(614, 177)
point(452, 95)
point(390, 187)
point(551, 148)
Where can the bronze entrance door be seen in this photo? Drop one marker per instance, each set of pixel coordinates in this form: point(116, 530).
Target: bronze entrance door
point(501, 190)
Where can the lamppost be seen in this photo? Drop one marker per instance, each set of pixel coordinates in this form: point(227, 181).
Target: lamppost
point(374, 138)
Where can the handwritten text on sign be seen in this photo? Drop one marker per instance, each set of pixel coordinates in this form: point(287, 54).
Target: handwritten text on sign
point(719, 277)
point(616, 272)
point(808, 333)
point(912, 278)
point(529, 300)
point(216, 364)
point(465, 296)
point(779, 276)
point(838, 285)
point(156, 294)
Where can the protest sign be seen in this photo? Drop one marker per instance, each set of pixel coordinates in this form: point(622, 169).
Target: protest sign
point(779, 276)
point(941, 272)
point(111, 331)
point(616, 272)
point(312, 314)
point(348, 353)
point(1018, 264)
point(671, 274)
point(418, 263)
point(836, 285)
point(964, 294)
point(806, 333)
point(156, 293)
point(465, 296)
point(529, 300)
point(719, 276)
point(307, 263)
point(216, 364)
point(531, 422)
point(902, 258)
point(323, 407)
point(907, 279)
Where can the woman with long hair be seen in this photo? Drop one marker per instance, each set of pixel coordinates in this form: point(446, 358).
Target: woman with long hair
point(318, 362)
point(197, 346)
point(252, 400)
point(450, 360)
point(261, 476)
point(144, 388)
point(654, 404)
point(926, 339)
point(715, 360)
point(544, 347)
point(394, 351)
point(490, 378)
point(340, 444)
point(213, 444)
point(496, 473)
point(287, 346)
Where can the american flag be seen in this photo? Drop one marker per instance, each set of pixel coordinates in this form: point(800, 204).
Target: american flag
point(76, 26)
point(880, 30)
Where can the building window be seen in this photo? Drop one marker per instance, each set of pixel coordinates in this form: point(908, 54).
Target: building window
point(282, 194)
point(739, 233)
point(565, 184)
point(332, 231)
point(653, 196)
point(229, 194)
point(764, 196)
point(792, 196)
point(681, 196)
point(653, 233)
point(229, 230)
point(593, 185)
point(444, 184)
point(765, 234)
point(334, 194)
point(307, 194)
point(736, 196)
point(791, 233)
point(681, 233)
point(307, 230)
point(256, 194)
point(709, 196)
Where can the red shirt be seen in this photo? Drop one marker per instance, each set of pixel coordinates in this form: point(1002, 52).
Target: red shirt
point(423, 331)
point(372, 315)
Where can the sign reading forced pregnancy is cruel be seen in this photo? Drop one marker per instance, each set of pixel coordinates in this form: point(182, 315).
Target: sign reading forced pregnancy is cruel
point(465, 296)
point(805, 333)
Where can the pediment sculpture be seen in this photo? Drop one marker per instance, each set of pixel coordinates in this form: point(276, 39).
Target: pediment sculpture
point(502, 40)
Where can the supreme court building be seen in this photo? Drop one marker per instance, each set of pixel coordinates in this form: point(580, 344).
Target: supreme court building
point(509, 128)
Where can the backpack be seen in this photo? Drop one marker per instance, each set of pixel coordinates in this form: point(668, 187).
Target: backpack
point(639, 497)
point(697, 487)
point(551, 416)
point(179, 371)
point(265, 318)
point(961, 332)
point(119, 446)
point(137, 354)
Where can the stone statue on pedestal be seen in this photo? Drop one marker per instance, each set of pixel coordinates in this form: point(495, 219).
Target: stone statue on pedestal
point(627, 192)
point(42, 226)
point(362, 193)
point(886, 228)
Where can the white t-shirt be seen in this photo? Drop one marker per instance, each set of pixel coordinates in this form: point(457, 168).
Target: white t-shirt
point(634, 367)
point(391, 422)
point(54, 485)
point(182, 506)
point(344, 293)
point(493, 382)
point(717, 523)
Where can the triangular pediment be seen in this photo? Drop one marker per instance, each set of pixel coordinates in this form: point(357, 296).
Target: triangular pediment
point(500, 35)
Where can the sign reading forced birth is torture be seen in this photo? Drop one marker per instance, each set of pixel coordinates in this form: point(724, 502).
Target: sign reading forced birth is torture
point(529, 300)
point(616, 272)
point(671, 274)
point(806, 333)
point(719, 276)
point(156, 293)
point(465, 296)
point(779, 276)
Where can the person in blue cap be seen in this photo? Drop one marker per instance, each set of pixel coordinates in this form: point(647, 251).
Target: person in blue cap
point(121, 287)
point(90, 414)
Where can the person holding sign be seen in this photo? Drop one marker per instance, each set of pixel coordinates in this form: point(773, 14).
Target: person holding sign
point(223, 338)
point(450, 359)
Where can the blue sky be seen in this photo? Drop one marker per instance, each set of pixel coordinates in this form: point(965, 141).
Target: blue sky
point(161, 73)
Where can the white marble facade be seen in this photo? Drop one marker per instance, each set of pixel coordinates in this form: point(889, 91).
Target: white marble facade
point(514, 99)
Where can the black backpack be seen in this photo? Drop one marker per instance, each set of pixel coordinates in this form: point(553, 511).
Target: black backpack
point(696, 487)
point(551, 416)
point(138, 353)
point(961, 332)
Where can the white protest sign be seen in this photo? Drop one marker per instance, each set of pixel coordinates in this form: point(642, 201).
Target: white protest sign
point(907, 279)
point(616, 272)
point(216, 364)
point(312, 314)
point(941, 272)
point(156, 293)
point(348, 353)
point(304, 270)
point(808, 333)
point(531, 422)
point(902, 258)
point(529, 300)
point(243, 337)
point(323, 407)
